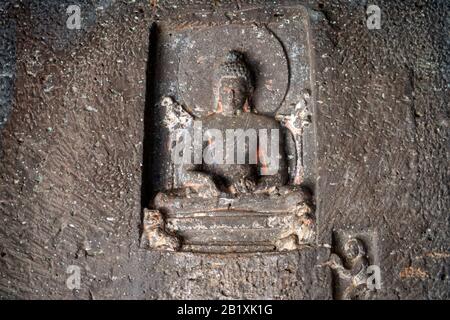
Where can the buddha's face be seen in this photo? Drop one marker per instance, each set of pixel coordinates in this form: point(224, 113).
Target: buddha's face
point(233, 93)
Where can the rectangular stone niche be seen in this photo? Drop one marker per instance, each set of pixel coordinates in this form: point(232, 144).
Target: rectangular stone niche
point(264, 58)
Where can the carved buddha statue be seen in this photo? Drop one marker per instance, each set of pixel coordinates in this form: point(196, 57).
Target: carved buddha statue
point(247, 165)
point(243, 203)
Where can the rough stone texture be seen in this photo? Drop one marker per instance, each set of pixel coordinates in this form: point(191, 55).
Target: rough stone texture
point(7, 64)
point(383, 138)
point(71, 157)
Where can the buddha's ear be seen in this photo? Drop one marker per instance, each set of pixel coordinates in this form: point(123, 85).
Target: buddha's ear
point(219, 107)
point(249, 102)
point(217, 103)
point(246, 107)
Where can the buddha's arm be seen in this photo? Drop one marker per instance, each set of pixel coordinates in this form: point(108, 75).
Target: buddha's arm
point(274, 173)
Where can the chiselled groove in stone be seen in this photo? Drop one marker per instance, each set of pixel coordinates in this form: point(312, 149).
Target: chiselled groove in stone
point(287, 63)
point(231, 236)
point(213, 229)
point(181, 215)
point(201, 248)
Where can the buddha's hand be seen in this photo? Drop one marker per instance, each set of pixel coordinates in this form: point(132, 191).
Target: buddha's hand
point(199, 184)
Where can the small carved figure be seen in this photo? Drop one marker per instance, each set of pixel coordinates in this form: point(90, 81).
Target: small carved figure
point(352, 256)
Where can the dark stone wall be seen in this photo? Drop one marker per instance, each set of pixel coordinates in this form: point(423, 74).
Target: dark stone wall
point(71, 156)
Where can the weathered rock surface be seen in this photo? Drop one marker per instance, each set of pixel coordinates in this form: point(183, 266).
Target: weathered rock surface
point(72, 156)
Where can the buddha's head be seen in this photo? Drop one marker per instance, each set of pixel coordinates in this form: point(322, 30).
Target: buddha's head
point(234, 87)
